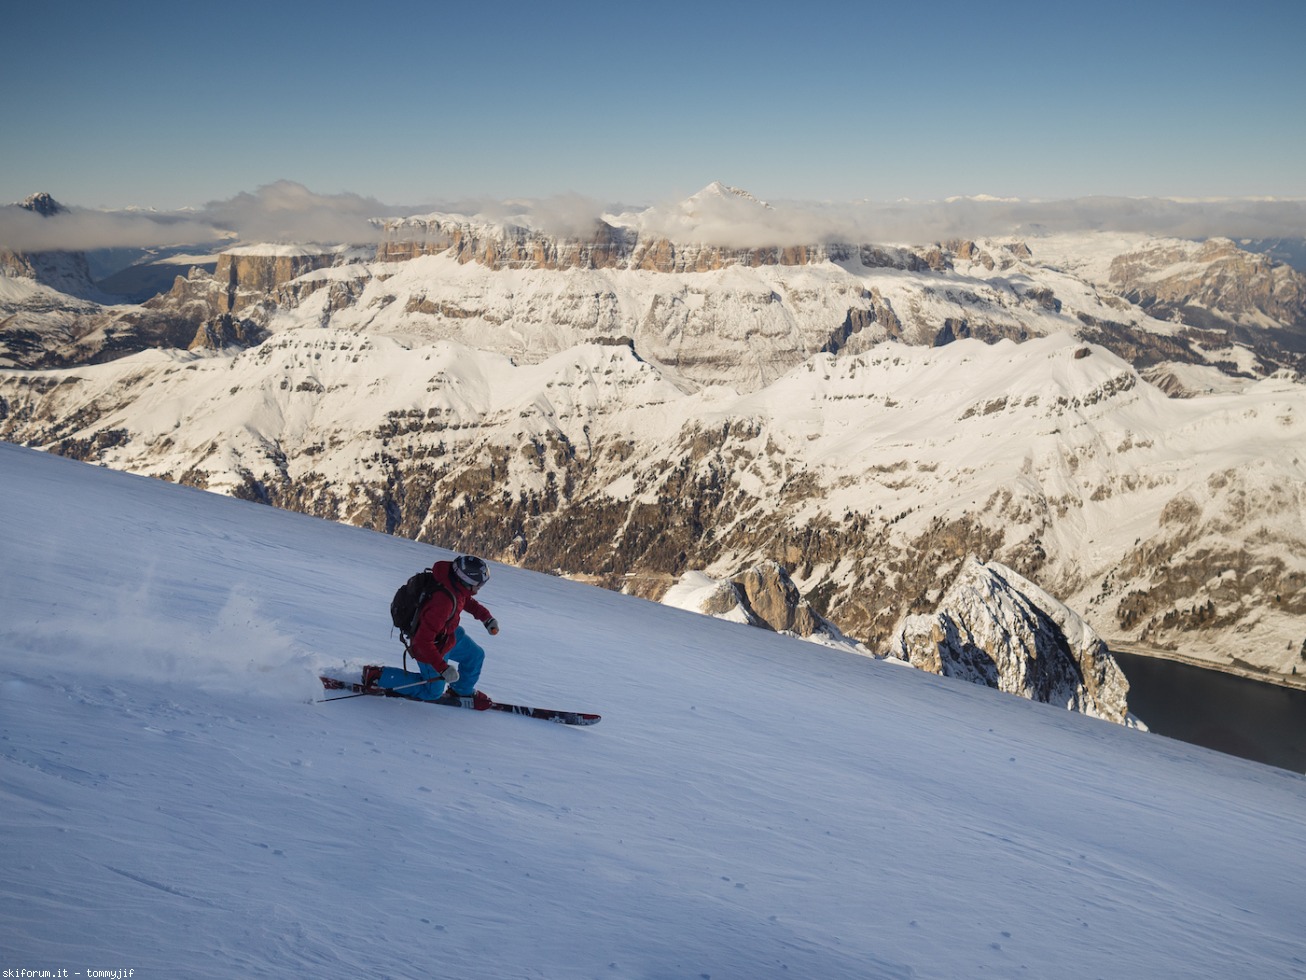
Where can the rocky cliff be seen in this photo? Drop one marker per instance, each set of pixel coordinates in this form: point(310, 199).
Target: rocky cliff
point(764, 596)
point(508, 246)
point(997, 628)
point(254, 275)
point(1214, 284)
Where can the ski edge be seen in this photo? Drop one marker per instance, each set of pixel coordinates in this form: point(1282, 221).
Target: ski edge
point(544, 714)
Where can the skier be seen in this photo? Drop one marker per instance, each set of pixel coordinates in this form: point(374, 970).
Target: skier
point(439, 639)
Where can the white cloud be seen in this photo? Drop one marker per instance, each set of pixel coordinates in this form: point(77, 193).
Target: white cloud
point(289, 212)
point(82, 230)
point(922, 222)
point(741, 222)
point(286, 212)
point(563, 215)
point(281, 212)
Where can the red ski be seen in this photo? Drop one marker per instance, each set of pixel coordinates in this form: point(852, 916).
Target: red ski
point(545, 714)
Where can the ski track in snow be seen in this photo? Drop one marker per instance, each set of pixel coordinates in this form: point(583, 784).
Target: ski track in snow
point(175, 800)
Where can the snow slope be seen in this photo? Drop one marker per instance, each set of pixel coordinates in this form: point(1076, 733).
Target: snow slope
point(177, 803)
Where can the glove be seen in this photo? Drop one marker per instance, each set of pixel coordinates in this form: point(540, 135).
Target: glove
point(492, 626)
point(450, 673)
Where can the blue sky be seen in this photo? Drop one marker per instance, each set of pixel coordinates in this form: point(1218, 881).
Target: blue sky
point(171, 105)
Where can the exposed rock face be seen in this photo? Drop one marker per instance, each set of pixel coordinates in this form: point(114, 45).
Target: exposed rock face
point(769, 594)
point(226, 331)
point(66, 272)
point(763, 596)
point(248, 276)
point(996, 628)
point(607, 247)
point(195, 297)
point(509, 247)
point(230, 307)
point(43, 204)
point(1213, 284)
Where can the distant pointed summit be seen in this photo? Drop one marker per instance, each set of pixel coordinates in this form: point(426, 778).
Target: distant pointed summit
point(43, 204)
point(718, 191)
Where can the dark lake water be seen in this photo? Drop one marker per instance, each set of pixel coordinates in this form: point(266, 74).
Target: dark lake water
point(1230, 714)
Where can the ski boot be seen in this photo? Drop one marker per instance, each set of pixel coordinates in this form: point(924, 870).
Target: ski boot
point(477, 700)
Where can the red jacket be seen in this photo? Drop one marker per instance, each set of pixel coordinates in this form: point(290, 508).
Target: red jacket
point(439, 619)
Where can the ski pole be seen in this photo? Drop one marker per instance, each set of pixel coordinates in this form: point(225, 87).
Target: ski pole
point(402, 687)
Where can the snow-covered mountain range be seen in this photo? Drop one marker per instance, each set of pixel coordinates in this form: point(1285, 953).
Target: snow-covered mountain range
point(177, 804)
point(1116, 418)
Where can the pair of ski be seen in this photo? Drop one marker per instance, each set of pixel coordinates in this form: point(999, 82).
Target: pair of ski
point(544, 714)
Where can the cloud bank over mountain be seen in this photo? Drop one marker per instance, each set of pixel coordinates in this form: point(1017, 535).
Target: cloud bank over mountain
point(82, 229)
point(978, 217)
point(287, 211)
point(737, 219)
point(284, 211)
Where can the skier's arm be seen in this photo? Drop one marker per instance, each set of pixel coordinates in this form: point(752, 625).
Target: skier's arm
point(477, 610)
point(483, 614)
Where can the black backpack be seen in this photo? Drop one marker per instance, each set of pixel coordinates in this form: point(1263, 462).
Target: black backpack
point(407, 604)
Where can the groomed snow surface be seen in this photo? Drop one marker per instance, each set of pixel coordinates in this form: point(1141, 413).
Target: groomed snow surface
point(175, 801)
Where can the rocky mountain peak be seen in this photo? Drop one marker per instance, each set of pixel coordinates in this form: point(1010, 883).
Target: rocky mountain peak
point(721, 191)
point(997, 628)
point(43, 204)
point(64, 271)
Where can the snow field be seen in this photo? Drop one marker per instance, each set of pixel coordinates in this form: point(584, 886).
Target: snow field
point(176, 801)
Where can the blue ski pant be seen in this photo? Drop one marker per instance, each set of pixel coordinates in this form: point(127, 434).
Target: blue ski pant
point(466, 653)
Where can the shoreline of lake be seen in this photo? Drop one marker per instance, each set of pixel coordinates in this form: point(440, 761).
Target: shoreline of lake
point(1296, 682)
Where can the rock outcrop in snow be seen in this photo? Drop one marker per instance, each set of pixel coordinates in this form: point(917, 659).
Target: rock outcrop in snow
point(995, 627)
point(764, 596)
point(769, 596)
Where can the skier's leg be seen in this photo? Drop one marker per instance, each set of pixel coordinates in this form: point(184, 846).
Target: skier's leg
point(470, 657)
point(392, 677)
point(431, 691)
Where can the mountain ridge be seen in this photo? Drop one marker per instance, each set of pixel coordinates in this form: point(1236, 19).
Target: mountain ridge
point(870, 476)
point(987, 289)
point(630, 425)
